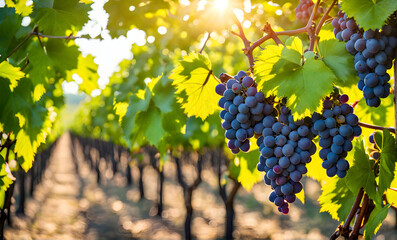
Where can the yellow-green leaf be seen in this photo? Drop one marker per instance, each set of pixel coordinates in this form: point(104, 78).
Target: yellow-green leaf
point(22, 7)
point(195, 85)
point(12, 73)
point(25, 149)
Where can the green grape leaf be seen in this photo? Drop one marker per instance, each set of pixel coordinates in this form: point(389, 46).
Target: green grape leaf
point(277, 58)
point(149, 123)
point(378, 215)
point(24, 148)
point(193, 76)
point(38, 92)
point(12, 73)
point(305, 86)
point(63, 56)
point(361, 175)
point(136, 103)
point(40, 68)
point(21, 7)
point(336, 57)
point(54, 17)
point(388, 151)
point(243, 168)
point(10, 23)
point(336, 198)
point(369, 14)
point(4, 96)
point(17, 103)
point(163, 95)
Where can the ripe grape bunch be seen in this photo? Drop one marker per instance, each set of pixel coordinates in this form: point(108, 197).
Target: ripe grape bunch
point(286, 147)
point(304, 10)
point(244, 109)
point(336, 126)
point(373, 52)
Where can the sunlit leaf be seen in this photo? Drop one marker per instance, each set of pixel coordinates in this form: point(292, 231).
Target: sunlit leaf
point(21, 7)
point(336, 57)
point(336, 198)
point(24, 148)
point(11, 72)
point(194, 77)
point(304, 86)
point(243, 168)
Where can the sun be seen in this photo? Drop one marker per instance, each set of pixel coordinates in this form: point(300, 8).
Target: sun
point(221, 5)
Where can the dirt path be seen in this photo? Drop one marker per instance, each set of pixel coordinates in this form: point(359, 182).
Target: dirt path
point(58, 210)
point(69, 204)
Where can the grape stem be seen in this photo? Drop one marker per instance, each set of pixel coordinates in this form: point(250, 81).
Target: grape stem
point(224, 77)
point(40, 35)
point(246, 42)
point(268, 29)
point(324, 17)
point(21, 43)
point(366, 125)
point(205, 43)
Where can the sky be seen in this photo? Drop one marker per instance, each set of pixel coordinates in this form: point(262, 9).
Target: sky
point(107, 53)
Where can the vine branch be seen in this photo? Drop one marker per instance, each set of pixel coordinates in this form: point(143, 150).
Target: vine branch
point(359, 218)
point(34, 32)
point(268, 29)
point(310, 29)
point(246, 42)
point(324, 17)
point(21, 43)
point(205, 43)
point(349, 218)
point(366, 125)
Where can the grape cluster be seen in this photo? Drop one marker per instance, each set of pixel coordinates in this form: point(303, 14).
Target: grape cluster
point(286, 147)
point(345, 28)
point(375, 154)
point(336, 126)
point(373, 53)
point(243, 111)
point(304, 10)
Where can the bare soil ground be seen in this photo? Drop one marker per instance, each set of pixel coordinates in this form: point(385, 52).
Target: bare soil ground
point(69, 204)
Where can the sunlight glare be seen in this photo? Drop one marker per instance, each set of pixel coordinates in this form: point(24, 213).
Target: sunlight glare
point(221, 4)
point(95, 92)
point(239, 14)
